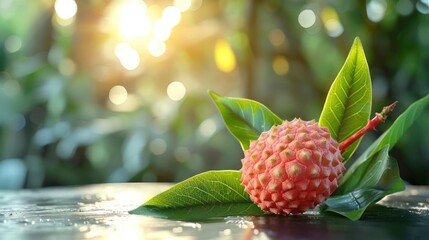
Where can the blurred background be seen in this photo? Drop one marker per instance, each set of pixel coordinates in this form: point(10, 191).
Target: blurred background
point(95, 91)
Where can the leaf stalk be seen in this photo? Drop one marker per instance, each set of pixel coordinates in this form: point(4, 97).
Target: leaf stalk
point(370, 126)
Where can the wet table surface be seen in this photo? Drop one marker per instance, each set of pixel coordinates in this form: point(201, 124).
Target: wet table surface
point(101, 212)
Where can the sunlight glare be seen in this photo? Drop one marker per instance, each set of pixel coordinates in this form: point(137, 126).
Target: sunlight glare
point(133, 21)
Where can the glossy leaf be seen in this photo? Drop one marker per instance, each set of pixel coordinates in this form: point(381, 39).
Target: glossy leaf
point(391, 136)
point(372, 172)
point(206, 195)
point(373, 180)
point(348, 104)
point(353, 204)
point(245, 119)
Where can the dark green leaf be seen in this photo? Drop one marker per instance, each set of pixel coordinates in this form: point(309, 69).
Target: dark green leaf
point(376, 178)
point(380, 170)
point(245, 119)
point(206, 195)
point(348, 104)
point(367, 174)
point(353, 204)
point(391, 136)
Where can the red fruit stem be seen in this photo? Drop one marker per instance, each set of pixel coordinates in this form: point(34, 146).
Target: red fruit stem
point(379, 118)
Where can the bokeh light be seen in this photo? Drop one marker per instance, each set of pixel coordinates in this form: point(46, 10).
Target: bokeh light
point(331, 22)
point(404, 7)
point(161, 29)
point(224, 56)
point(13, 44)
point(172, 15)
point(423, 6)
point(183, 5)
point(144, 67)
point(176, 91)
point(277, 37)
point(12, 173)
point(128, 57)
point(118, 95)
point(182, 154)
point(65, 9)
point(158, 146)
point(307, 18)
point(141, 28)
point(196, 4)
point(376, 9)
point(67, 67)
point(280, 65)
point(208, 127)
point(156, 48)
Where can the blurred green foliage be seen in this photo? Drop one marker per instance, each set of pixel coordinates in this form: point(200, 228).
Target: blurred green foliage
point(59, 124)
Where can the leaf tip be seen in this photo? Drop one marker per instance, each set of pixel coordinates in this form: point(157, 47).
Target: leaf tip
point(357, 42)
point(136, 210)
point(357, 47)
point(213, 94)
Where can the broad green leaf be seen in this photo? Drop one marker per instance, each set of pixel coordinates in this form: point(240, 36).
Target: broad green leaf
point(245, 119)
point(206, 195)
point(376, 178)
point(353, 204)
point(391, 136)
point(348, 103)
point(373, 172)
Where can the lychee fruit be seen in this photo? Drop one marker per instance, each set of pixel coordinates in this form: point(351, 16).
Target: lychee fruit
point(292, 167)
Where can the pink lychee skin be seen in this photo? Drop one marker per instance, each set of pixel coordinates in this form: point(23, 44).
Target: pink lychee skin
point(292, 167)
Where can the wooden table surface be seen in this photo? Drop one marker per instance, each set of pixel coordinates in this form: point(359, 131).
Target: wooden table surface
point(101, 212)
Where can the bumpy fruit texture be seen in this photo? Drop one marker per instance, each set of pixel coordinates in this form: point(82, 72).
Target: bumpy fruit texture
point(292, 167)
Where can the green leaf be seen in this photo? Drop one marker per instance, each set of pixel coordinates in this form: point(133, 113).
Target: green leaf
point(372, 172)
point(353, 204)
point(373, 180)
point(246, 119)
point(206, 195)
point(391, 136)
point(348, 104)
